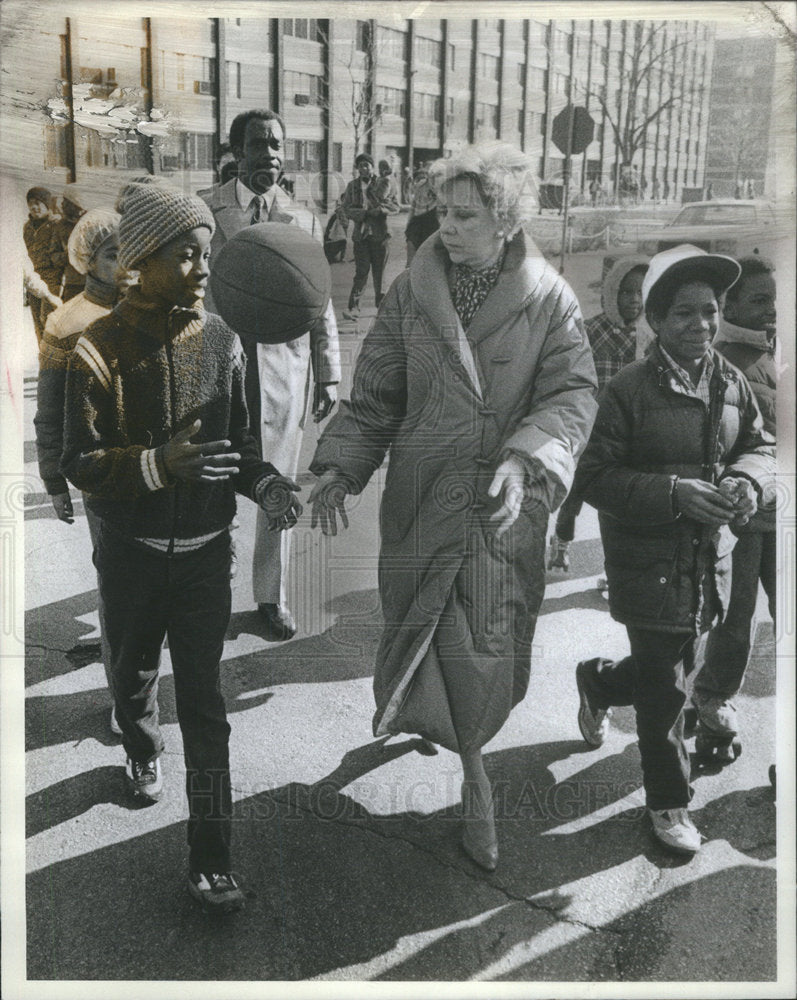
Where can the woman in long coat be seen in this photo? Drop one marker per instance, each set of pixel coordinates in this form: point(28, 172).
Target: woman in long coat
point(478, 379)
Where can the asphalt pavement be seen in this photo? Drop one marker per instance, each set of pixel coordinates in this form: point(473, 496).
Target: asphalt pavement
point(348, 846)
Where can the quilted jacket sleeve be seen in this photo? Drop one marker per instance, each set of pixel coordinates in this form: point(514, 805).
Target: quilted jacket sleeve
point(552, 435)
point(358, 436)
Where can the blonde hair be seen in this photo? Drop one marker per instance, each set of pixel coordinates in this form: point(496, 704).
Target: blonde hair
point(503, 175)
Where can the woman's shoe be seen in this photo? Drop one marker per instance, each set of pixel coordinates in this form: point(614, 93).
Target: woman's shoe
point(479, 840)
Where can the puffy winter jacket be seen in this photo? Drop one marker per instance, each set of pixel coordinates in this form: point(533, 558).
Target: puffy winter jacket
point(666, 572)
point(753, 353)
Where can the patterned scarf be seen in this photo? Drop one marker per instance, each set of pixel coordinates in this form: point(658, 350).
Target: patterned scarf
point(471, 288)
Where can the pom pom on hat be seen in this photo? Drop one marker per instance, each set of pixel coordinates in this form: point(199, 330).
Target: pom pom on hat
point(90, 232)
point(152, 216)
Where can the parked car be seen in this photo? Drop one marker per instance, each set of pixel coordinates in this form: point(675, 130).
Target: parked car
point(725, 226)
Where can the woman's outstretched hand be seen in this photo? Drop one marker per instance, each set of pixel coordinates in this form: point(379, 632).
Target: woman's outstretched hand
point(327, 498)
point(510, 477)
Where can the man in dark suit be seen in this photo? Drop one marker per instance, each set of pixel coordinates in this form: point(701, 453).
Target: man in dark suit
point(278, 375)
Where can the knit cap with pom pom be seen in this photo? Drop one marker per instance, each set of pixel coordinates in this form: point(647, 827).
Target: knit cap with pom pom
point(153, 215)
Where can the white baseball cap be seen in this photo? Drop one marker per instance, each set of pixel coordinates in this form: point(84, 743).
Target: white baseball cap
point(682, 259)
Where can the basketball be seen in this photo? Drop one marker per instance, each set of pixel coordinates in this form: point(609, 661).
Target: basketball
point(270, 282)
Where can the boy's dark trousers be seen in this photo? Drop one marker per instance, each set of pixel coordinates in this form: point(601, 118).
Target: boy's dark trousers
point(729, 642)
point(653, 680)
point(147, 595)
point(370, 254)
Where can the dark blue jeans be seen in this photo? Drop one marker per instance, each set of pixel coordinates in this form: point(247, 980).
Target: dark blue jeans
point(653, 680)
point(148, 595)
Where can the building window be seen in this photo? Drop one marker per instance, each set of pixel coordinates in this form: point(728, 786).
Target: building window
point(428, 106)
point(199, 150)
point(302, 27)
point(234, 79)
point(392, 101)
point(180, 71)
point(520, 120)
point(364, 36)
point(521, 73)
point(337, 156)
point(214, 30)
point(427, 51)
point(536, 123)
point(452, 57)
point(487, 119)
point(302, 88)
point(208, 70)
point(489, 66)
point(392, 43)
point(303, 154)
point(538, 79)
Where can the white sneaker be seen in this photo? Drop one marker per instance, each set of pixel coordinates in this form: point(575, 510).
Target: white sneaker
point(674, 829)
point(717, 714)
point(116, 729)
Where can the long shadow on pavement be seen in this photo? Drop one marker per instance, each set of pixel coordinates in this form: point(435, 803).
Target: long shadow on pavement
point(333, 885)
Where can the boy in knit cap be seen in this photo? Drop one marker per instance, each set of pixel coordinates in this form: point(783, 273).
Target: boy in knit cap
point(93, 247)
point(157, 433)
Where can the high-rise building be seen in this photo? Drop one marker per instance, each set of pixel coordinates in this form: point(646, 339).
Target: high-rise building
point(406, 90)
point(740, 115)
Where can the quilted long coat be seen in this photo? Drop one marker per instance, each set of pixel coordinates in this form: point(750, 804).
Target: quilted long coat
point(460, 606)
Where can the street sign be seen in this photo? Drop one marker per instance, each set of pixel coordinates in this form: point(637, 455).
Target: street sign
point(583, 130)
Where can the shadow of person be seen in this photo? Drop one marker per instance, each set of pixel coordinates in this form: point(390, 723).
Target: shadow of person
point(51, 720)
point(72, 797)
point(335, 889)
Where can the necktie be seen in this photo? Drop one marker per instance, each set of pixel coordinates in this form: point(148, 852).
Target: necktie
point(258, 206)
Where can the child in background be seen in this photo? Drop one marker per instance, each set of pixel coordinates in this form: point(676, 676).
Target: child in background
point(747, 339)
point(157, 432)
point(36, 233)
point(63, 279)
point(93, 247)
point(613, 337)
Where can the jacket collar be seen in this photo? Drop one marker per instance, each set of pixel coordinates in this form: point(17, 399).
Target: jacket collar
point(152, 320)
point(731, 334)
point(522, 272)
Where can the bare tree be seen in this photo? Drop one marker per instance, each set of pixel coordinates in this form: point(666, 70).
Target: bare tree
point(353, 106)
point(649, 55)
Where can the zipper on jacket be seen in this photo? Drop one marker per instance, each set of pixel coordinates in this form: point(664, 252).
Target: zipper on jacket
point(172, 401)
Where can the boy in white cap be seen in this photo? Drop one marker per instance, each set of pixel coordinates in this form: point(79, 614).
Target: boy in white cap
point(678, 453)
point(93, 247)
point(157, 432)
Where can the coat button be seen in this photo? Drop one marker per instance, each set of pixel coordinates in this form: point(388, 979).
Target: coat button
point(695, 541)
point(662, 579)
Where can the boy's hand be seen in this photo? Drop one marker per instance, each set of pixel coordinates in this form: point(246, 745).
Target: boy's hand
point(62, 505)
point(327, 497)
point(741, 493)
point(703, 502)
point(325, 395)
point(208, 461)
point(281, 507)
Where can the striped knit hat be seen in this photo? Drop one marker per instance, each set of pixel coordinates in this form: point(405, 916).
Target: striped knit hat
point(154, 214)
